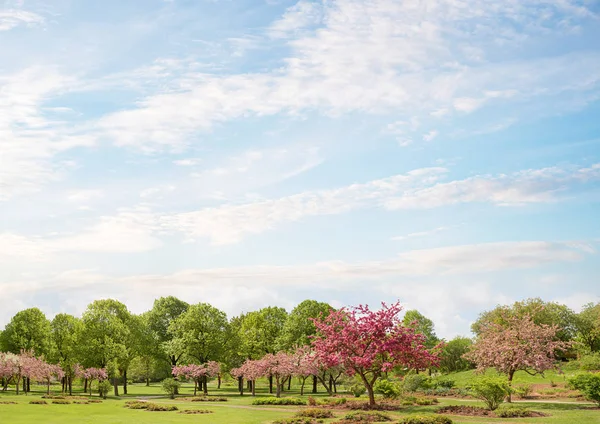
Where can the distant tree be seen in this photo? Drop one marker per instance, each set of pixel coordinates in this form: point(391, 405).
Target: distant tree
point(452, 355)
point(370, 343)
point(164, 311)
point(65, 334)
point(518, 344)
point(588, 327)
point(422, 325)
point(28, 330)
point(549, 313)
point(299, 327)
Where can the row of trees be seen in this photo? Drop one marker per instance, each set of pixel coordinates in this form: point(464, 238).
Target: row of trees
point(199, 341)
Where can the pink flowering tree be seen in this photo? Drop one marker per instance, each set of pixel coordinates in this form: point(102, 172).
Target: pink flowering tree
point(198, 373)
point(92, 374)
point(253, 370)
point(518, 344)
point(9, 368)
point(47, 372)
point(238, 374)
point(303, 365)
point(281, 366)
point(369, 343)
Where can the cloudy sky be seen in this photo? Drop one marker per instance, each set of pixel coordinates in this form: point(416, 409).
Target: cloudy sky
point(247, 153)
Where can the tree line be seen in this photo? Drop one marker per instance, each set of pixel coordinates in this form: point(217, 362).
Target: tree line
point(199, 342)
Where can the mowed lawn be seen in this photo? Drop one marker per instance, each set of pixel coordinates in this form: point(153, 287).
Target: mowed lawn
point(237, 409)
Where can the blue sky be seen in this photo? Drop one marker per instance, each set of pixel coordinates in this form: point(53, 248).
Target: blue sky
point(258, 152)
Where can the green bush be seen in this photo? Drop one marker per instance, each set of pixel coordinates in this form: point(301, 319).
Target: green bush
point(315, 413)
point(443, 383)
point(160, 408)
point(523, 391)
point(279, 401)
point(513, 412)
point(589, 385)
point(297, 420)
point(491, 390)
point(195, 411)
point(103, 388)
point(590, 362)
point(415, 382)
point(136, 404)
point(426, 419)
point(170, 386)
point(61, 402)
point(388, 389)
point(38, 402)
point(358, 389)
point(366, 417)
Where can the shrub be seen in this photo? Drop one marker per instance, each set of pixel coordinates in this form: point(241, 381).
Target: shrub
point(444, 383)
point(590, 362)
point(136, 404)
point(8, 402)
point(315, 413)
point(94, 401)
point(312, 401)
point(523, 391)
point(160, 408)
point(61, 402)
point(209, 399)
point(589, 385)
point(388, 389)
point(514, 412)
point(38, 402)
point(426, 401)
point(52, 397)
point(415, 382)
point(426, 419)
point(279, 401)
point(297, 420)
point(103, 388)
point(491, 390)
point(195, 411)
point(331, 401)
point(358, 389)
point(553, 383)
point(366, 417)
point(170, 386)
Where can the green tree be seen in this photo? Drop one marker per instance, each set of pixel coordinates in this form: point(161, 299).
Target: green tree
point(28, 330)
point(108, 337)
point(452, 355)
point(422, 325)
point(65, 334)
point(164, 311)
point(588, 327)
point(299, 327)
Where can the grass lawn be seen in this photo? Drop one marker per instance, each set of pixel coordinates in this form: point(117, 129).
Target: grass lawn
point(237, 409)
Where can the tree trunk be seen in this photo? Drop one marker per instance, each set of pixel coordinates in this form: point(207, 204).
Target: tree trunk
point(63, 382)
point(289, 383)
point(241, 385)
point(195, 387)
point(302, 386)
point(147, 381)
point(116, 386)
point(330, 383)
point(249, 385)
point(17, 386)
point(278, 389)
point(85, 385)
point(25, 385)
point(205, 378)
point(71, 386)
point(510, 379)
point(253, 387)
point(371, 395)
point(271, 384)
point(124, 382)
point(28, 384)
point(219, 381)
point(48, 387)
point(314, 387)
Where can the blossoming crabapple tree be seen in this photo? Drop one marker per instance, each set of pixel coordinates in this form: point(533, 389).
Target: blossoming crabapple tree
point(369, 343)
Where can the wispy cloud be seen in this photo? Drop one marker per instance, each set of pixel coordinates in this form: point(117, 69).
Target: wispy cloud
point(12, 18)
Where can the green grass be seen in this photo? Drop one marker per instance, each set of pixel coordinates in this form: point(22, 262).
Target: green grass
point(237, 409)
point(462, 379)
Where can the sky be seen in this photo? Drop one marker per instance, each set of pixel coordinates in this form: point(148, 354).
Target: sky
point(247, 153)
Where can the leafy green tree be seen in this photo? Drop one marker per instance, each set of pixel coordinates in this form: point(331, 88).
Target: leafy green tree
point(452, 355)
point(28, 330)
point(164, 311)
point(422, 325)
point(108, 337)
point(202, 329)
point(299, 327)
point(65, 334)
point(588, 327)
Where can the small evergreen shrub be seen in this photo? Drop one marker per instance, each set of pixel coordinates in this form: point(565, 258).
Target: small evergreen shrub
point(279, 401)
point(315, 413)
point(103, 388)
point(387, 389)
point(170, 386)
point(425, 419)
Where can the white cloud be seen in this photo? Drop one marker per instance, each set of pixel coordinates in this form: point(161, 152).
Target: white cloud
point(12, 18)
point(84, 196)
point(300, 16)
point(422, 233)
